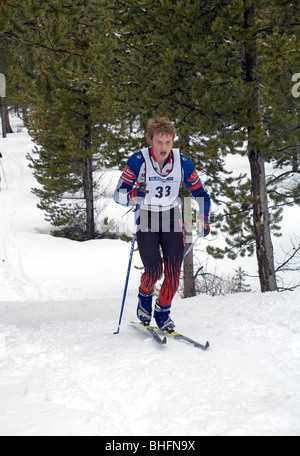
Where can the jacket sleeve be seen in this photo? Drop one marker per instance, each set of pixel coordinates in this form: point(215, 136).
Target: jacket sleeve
point(193, 182)
point(128, 178)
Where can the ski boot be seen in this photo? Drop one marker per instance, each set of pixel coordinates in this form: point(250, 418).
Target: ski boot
point(162, 317)
point(144, 308)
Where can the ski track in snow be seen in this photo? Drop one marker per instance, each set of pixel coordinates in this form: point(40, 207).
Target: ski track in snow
point(63, 372)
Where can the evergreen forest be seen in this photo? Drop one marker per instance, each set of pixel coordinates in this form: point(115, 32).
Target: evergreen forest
point(86, 77)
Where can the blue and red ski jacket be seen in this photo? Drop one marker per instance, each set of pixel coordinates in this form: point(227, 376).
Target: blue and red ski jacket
point(135, 172)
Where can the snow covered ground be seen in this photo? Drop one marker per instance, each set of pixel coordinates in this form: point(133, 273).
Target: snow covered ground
point(63, 372)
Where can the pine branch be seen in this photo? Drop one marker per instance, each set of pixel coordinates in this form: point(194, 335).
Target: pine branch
point(283, 267)
point(270, 30)
point(276, 178)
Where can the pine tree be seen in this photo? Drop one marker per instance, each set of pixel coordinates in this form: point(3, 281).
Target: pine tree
point(162, 78)
point(269, 126)
point(239, 285)
point(66, 48)
point(5, 68)
point(222, 71)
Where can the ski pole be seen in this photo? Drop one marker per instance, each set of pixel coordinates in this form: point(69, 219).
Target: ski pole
point(192, 245)
point(128, 269)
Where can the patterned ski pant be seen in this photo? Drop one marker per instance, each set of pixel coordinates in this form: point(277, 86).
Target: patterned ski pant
point(161, 245)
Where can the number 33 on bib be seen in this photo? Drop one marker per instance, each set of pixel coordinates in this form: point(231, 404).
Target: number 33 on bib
point(163, 191)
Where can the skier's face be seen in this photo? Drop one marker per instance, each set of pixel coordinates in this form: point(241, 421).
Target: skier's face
point(162, 145)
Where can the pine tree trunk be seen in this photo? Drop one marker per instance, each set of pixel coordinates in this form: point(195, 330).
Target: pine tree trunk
point(261, 216)
point(7, 121)
point(88, 186)
point(2, 98)
point(188, 272)
point(6, 127)
point(261, 220)
point(3, 119)
point(189, 289)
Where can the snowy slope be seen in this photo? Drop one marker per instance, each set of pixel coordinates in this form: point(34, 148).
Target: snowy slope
point(63, 372)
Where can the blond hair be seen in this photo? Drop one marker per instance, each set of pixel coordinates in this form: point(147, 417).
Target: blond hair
point(161, 126)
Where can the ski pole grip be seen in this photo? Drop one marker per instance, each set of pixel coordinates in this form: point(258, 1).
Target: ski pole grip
point(143, 185)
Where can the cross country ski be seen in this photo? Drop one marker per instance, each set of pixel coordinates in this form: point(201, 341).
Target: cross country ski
point(151, 331)
point(155, 333)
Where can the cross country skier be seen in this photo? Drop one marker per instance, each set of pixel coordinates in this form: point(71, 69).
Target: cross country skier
point(161, 169)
